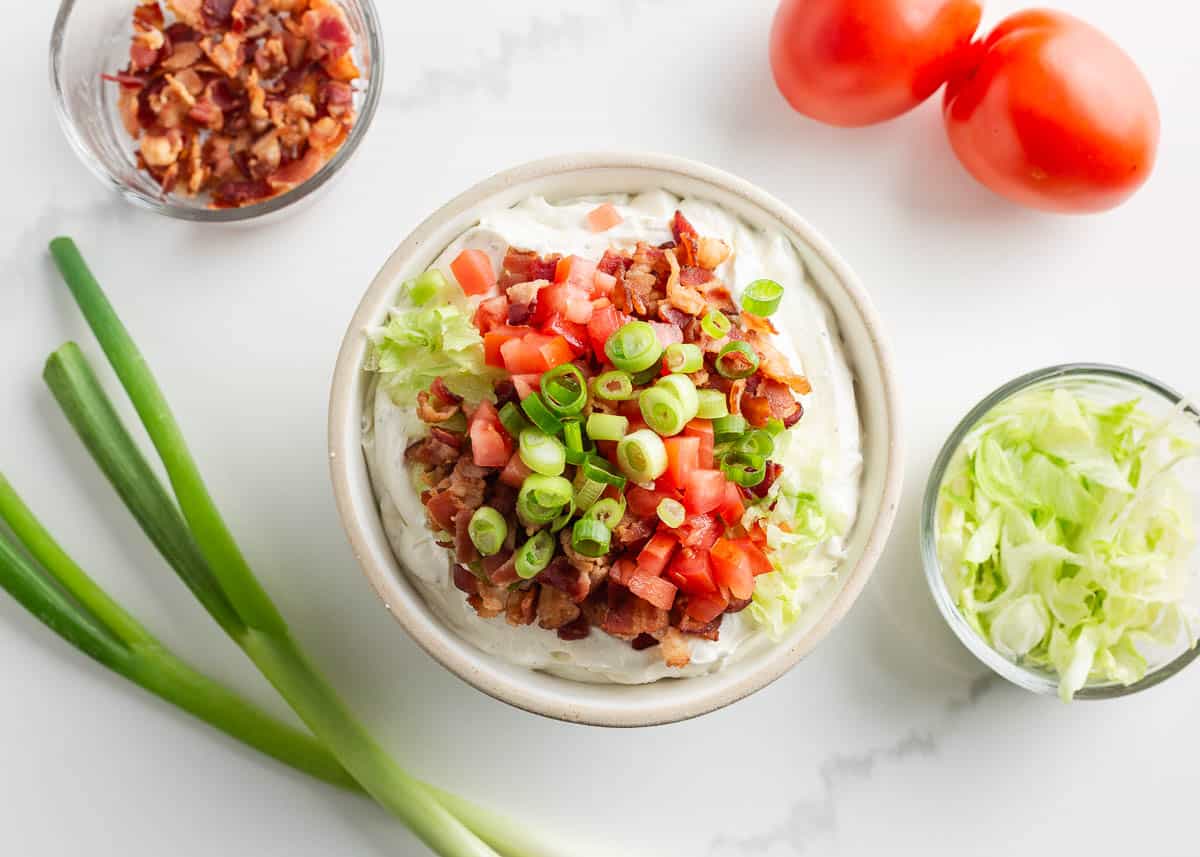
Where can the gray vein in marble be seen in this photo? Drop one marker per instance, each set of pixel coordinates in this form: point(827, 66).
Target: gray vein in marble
point(492, 73)
point(814, 819)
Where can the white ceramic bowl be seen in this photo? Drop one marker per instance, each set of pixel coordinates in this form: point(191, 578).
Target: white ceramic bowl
point(667, 700)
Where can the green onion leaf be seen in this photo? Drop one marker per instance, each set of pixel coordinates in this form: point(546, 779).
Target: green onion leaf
point(535, 408)
point(512, 419)
point(542, 498)
point(729, 427)
point(573, 436)
point(737, 360)
point(608, 512)
point(634, 347)
point(745, 470)
point(564, 390)
point(535, 554)
point(685, 391)
point(607, 426)
point(671, 512)
point(587, 491)
point(684, 357)
point(711, 404)
point(487, 530)
point(716, 324)
point(762, 297)
point(641, 455)
point(590, 537)
point(542, 453)
point(613, 386)
point(599, 470)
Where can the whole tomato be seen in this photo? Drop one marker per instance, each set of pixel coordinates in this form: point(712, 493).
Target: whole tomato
point(857, 62)
point(1054, 115)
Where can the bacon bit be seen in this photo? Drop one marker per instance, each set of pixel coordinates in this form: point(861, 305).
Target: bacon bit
point(692, 275)
point(757, 323)
point(161, 150)
point(503, 574)
point(756, 410)
point(783, 403)
point(493, 599)
point(215, 14)
point(688, 625)
point(717, 296)
point(465, 580)
point(736, 389)
point(554, 609)
point(522, 606)
point(464, 549)
point(443, 393)
point(773, 471)
point(675, 649)
point(680, 227)
point(296, 172)
point(525, 293)
point(775, 366)
point(684, 298)
point(431, 410)
point(566, 578)
point(481, 610)
point(575, 630)
point(614, 264)
point(643, 641)
point(441, 508)
point(711, 252)
point(448, 438)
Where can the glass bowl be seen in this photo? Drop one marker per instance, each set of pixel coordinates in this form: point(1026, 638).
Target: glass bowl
point(91, 37)
point(1104, 383)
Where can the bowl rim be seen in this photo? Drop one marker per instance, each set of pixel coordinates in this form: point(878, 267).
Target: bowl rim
point(1033, 680)
point(345, 413)
point(163, 205)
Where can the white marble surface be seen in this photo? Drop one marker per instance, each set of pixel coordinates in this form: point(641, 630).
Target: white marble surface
point(889, 739)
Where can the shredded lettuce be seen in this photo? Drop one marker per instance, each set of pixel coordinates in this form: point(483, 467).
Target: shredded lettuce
point(416, 346)
point(795, 523)
point(1064, 533)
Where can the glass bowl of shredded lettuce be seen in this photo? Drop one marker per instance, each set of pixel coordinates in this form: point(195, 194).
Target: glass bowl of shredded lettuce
point(1059, 531)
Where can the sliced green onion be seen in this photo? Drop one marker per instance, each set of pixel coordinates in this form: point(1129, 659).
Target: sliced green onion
point(685, 357)
point(634, 347)
point(607, 511)
point(711, 404)
point(647, 376)
point(641, 455)
point(573, 435)
point(542, 498)
point(535, 408)
point(512, 419)
point(564, 389)
point(457, 424)
point(662, 411)
point(614, 386)
point(487, 530)
point(762, 297)
point(599, 470)
point(671, 512)
point(542, 453)
point(737, 360)
point(716, 324)
point(607, 426)
point(576, 456)
point(590, 538)
point(684, 389)
point(745, 470)
point(587, 491)
point(757, 442)
point(563, 519)
point(535, 554)
point(423, 288)
point(729, 427)
point(775, 427)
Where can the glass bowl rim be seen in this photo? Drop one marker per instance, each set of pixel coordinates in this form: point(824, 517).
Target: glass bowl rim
point(163, 205)
point(1024, 677)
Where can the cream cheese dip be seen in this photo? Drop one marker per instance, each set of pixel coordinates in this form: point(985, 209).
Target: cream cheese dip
point(825, 446)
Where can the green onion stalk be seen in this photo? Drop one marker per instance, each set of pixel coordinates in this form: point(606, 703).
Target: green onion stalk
point(196, 542)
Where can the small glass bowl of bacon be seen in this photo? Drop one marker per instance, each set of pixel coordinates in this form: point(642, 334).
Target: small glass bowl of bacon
point(216, 110)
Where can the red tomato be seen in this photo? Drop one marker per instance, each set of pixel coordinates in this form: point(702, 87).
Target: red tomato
point(699, 532)
point(474, 272)
point(555, 351)
point(659, 592)
point(490, 444)
point(706, 607)
point(1055, 115)
point(526, 384)
point(653, 558)
point(643, 503)
point(515, 471)
point(732, 507)
point(683, 456)
point(857, 62)
point(755, 557)
point(703, 430)
point(604, 283)
point(731, 568)
point(523, 356)
point(491, 313)
point(704, 491)
point(493, 342)
point(692, 572)
point(603, 324)
point(575, 333)
point(622, 570)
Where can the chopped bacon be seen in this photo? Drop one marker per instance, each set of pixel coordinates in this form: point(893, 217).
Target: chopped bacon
point(432, 452)
point(643, 641)
point(783, 403)
point(522, 606)
point(684, 298)
point(525, 292)
point(440, 508)
point(555, 609)
point(693, 275)
point(772, 473)
point(215, 14)
point(756, 410)
point(675, 649)
point(439, 389)
point(757, 323)
point(501, 569)
point(633, 531)
point(492, 600)
point(614, 264)
point(680, 226)
point(711, 252)
point(775, 366)
point(447, 437)
point(466, 483)
point(524, 266)
point(464, 549)
point(575, 630)
point(432, 410)
point(464, 579)
point(571, 581)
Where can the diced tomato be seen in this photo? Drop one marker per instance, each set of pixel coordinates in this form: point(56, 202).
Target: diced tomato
point(630, 409)
point(699, 532)
point(523, 356)
point(702, 429)
point(682, 458)
point(604, 217)
point(491, 313)
point(691, 571)
point(490, 444)
point(704, 491)
point(474, 272)
point(576, 271)
point(515, 471)
point(494, 340)
point(575, 333)
point(643, 503)
point(732, 508)
point(608, 449)
point(668, 334)
point(603, 324)
point(526, 384)
point(603, 284)
point(731, 568)
point(654, 556)
point(756, 558)
point(659, 592)
point(706, 607)
point(556, 352)
point(622, 570)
